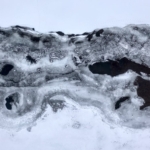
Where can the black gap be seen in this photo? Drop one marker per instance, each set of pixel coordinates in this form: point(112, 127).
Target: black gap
point(143, 90)
point(31, 59)
point(6, 69)
point(121, 100)
point(9, 100)
point(114, 68)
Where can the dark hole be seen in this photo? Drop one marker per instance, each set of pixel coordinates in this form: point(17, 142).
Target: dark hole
point(9, 101)
point(71, 35)
point(60, 33)
point(114, 68)
point(35, 39)
point(80, 57)
point(121, 100)
point(30, 59)
point(143, 90)
point(99, 32)
point(12, 99)
point(6, 69)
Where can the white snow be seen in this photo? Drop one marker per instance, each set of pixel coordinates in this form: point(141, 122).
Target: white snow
point(74, 128)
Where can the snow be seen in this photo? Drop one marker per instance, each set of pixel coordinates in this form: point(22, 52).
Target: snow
point(89, 120)
point(74, 128)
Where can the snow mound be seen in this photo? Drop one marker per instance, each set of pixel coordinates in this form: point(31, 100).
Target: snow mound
point(106, 69)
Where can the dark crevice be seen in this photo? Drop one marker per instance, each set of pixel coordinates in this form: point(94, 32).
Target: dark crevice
point(121, 100)
point(12, 99)
point(143, 90)
point(114, 68)
point(6, 69)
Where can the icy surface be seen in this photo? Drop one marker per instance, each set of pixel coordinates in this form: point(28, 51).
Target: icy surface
point(62, 104)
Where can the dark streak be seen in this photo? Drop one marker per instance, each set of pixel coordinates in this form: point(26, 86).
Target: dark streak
point(121, 100)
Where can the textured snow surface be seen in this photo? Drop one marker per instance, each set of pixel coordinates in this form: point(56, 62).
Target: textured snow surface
point(51, 100)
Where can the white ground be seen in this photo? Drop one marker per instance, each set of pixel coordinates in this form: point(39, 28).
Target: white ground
point(75, 128)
